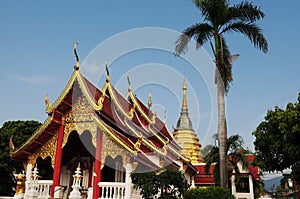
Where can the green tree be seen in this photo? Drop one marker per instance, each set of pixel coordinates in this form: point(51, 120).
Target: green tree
point(234, 150)
point(209, 193)
point(20, 130)
point(169, 184)
point(277, 139)
point(221, 18)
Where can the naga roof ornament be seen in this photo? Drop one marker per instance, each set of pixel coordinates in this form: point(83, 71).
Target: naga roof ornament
point(48, 104)
point(77, 65)
point(107, 71)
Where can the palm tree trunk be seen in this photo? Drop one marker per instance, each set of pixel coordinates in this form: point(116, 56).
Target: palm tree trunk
point(222, 131)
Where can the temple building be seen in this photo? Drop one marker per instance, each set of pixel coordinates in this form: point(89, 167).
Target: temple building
point(94, 138)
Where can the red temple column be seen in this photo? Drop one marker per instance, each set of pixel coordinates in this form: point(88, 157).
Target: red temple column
point(97, 165)
point(58, 158)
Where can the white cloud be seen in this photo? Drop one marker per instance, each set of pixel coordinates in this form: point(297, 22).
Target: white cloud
point(35, 79)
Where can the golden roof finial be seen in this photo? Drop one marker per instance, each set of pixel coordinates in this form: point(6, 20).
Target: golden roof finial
point(77, 65)
point(107, 71)
point(165, 116)
point(129, 83)
point(150, 100)
point(48, 105)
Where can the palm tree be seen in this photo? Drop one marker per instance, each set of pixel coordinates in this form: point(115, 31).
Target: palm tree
point(235, 151)
point(221, 18)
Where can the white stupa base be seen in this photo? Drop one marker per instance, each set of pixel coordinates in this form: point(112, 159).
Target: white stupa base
point(75, 193)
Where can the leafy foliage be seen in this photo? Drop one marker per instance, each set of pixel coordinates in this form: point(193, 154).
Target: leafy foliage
point(170, 184)
point(20, 130)
point(277, 138)
point(209, 193)
point(235, 151)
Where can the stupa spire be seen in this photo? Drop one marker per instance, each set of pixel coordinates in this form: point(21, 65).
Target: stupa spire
point(184, 122)
point(184, 133)
point(184, 106)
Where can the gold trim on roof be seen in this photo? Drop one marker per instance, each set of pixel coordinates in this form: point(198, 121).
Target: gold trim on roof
point(47, 150)
point(64, 93)
point(106, 130)
point(97, 107)
point(33, 136)
point(145, 116)
point(147, 143)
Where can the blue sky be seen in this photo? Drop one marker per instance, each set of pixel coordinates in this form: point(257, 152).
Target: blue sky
point(36, 53)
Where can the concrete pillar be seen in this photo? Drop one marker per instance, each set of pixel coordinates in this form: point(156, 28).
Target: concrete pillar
point(251, 188)
point(128, 181)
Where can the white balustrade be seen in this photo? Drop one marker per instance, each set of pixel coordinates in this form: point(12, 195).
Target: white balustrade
point(135, 194)
point(112, 190)
point(44, 188)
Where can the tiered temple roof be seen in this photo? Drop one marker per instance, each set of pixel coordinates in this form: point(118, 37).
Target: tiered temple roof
point(126, 120)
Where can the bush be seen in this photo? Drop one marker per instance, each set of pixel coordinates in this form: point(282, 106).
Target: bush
point(209, 193)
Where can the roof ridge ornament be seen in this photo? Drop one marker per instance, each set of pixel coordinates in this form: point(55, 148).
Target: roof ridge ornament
point(129, 82)
point(150, 100)
point(107, 71)
point(165, 117)
point(77, 65)
point(11, 145)
point(48, 104)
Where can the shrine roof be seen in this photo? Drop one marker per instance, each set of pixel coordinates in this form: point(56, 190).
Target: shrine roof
point(114, 113)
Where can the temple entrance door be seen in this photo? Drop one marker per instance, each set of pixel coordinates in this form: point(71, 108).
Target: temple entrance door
point(113, 170)
point(79, 149)
point(45, 168)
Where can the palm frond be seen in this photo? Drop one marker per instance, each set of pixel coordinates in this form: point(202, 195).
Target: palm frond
point(212, 10)
point(234, 142)
point(252, 31)
point(245, 12)
point(211, 157)
point(202, 33)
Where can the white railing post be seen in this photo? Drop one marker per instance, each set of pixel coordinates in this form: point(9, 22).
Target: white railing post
point(32, 192)
point(112, 190)
point(128, 181)
point(44, 188)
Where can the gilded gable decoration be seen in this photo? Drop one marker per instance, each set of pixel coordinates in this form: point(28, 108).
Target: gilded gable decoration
point(80, 119)
point(48, 149)
point(110, 148)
